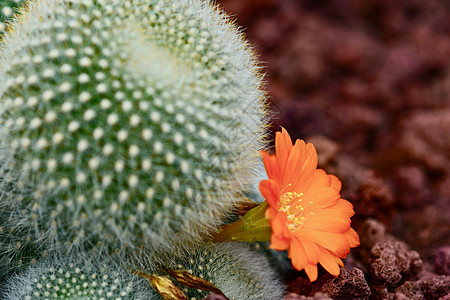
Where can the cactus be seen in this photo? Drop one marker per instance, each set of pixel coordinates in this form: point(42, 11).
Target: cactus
point(16, 251)
point(235, 269)
point(8, 9)
point(76, 279)
point(238, 271)
point(125, 125)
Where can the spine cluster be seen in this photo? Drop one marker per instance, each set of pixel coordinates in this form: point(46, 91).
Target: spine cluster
point(77, 279)
point(238, 271)
point(125, 125)
point(234, 268)
point(8, 9)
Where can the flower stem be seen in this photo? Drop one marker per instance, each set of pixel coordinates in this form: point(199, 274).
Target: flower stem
point(252, 227)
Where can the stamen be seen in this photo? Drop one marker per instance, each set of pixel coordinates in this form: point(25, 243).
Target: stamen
point(285, 187)
point(293, 200)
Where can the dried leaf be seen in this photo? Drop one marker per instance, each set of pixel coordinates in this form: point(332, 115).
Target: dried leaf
point(187, 279)
point(164, 286)
point(244, 206)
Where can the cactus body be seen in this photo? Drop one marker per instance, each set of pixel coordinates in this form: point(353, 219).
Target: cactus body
point(125, 125)
point(16, 251)
point(8, 8)
point(77, 279)
point(235, 269)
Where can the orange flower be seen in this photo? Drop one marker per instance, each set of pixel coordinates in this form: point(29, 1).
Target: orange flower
point(306, 212)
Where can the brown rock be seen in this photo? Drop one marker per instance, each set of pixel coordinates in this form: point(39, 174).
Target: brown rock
point(412, 187)
point(441, 260)
point(436, 286)
point(317, 296)
point(425, 229)
point(381, 293)
point(430, 286)
point(301, 286)
point(425, 138)
point(409, 290)
point(375, 198)
point(386, 271)
point(348, 285)
point(393, 262)
point(371, 232)
point(401, 296)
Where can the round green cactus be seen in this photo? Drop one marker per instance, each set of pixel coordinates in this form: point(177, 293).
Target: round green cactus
point(125, 125)
point(235, 269)
point(16, 251)
point(8, 9)
point(76, 279)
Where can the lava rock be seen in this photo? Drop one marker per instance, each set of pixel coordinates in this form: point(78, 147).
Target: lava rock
point(409, 290)
point(411, 185)
point(348, 285)
point(436, 286)
point(381, 293)
point(371, 233)
point(425, 138)
point(301, 286)
point(441, 261)
point(317, 296)
point(393, 262)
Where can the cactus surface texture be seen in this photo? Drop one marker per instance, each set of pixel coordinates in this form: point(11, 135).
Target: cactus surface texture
point(16, 252)
point(8, 8)
point(125, 125)
point(76, 280)
point(239, 272)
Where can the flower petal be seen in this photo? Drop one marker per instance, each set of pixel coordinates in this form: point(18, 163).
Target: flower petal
point(321, 238)
point(352, 238)
point(279, 243)
point(283, 146)
point(319, 179)
point(270, 213)
point(297, 254)
point(294, 164)
point(339, 262)
point(335, 242)
point(271, 165)
point(343, 246)
point(335, 182)
point(311, 271)
point(269, 190)
point(344, 206)
point(306, 174)
point(328, 261)
point(311, 250)
point(320, 198)
point(281, 236)
point(331, 220)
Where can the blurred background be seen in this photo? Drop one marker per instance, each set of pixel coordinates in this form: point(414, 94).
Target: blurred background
point(368, 83)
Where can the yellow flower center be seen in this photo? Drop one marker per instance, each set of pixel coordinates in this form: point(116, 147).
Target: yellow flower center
point(292, 204)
